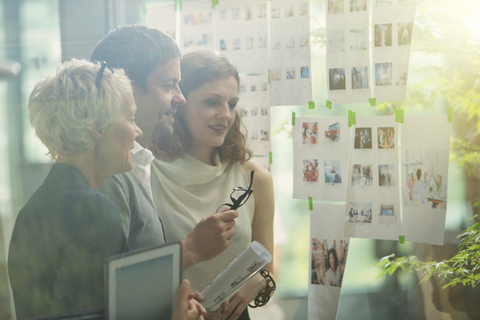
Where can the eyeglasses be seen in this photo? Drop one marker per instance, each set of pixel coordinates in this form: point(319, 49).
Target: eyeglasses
point(101, 71)
point(238, 196)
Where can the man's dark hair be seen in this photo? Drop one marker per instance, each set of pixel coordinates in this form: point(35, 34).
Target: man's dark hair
point(137, 49)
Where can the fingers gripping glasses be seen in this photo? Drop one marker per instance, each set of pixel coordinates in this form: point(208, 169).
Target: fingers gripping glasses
point(239, 196)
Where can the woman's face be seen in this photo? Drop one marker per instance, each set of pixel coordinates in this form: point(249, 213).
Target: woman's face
point(332, 260)
point(210, 112)
point(118, 141)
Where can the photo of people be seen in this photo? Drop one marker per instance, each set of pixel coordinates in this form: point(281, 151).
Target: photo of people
point(336, 40)
point(387, 214)
point(405, 33)
point(254, 265)
point(363, 138)
point(236, 13)
point(382, 4)
point(222, 15)
point(253, 111)
point(331, 168)
point(275, 74)
point(386, 138)
point(386, 175)
point(275, 12)
point(238, 280)
point(264, 111)
point(360, 36)
point(253, 87)
point(302, 9)
point(360, 212)
point(337, 78)
point(248, 12)
point(290, 42)
point(358, 5)
point(310, 170)
point(333, 132)
point(223, 44)
point(289, 11)
point(304, 72)
point(290, 73)
point(426, 176)
point(262, 10)
point(328, 264)
point(276, 44)
point(303, 40)
point(255, 135)
point(383, 35)
point(249, 43)
point(383, 74)
point(264, 135)
point(262, 42)
point(362, 175)
point(402, 74)
point(236, 44)
point(335, 6)
point(310, 132)
point(360, 77)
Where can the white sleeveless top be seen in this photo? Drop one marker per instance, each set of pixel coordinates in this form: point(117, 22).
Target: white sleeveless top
point(187, 190)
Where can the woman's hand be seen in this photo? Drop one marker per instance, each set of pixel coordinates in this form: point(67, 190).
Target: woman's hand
point(243, 297)
point(187, 307)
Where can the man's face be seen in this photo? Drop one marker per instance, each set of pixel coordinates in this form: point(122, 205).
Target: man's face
point(158, 104)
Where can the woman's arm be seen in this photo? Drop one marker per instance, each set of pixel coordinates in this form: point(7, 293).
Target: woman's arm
point(262, 231)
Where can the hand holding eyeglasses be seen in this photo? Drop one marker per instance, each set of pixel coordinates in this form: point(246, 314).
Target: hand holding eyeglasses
point(239, 196)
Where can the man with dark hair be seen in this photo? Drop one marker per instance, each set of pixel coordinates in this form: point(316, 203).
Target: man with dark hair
point(150, 59)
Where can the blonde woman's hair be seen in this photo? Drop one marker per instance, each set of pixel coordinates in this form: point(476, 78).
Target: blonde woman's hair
point(66, 105)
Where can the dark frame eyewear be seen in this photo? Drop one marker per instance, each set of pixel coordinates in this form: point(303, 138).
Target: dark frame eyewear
point(101, 71)
point(242, 199)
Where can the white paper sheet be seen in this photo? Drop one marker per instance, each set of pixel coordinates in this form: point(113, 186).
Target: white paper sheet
point(236, 275)
point(425, 154)
point(242, 33)
point(290, 66)
point(321, 149)
point(392, 35)
point(162, 18)
point(254, 105)
point(348, 51)
point(196, 26)
point(327, 240)
point(373, 205)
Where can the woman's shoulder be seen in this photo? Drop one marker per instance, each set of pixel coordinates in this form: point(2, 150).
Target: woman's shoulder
point(262, 176)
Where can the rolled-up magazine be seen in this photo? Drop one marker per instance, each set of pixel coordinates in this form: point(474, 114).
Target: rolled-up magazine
point(236, 275)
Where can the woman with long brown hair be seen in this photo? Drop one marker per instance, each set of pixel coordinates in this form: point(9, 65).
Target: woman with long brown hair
point(199, 165)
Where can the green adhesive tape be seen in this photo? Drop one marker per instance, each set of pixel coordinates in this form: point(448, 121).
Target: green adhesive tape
point(399, 115)
point(328, 104)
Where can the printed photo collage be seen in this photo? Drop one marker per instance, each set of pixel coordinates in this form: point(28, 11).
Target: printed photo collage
point(321, 158)
point(349, 74)
point(242, 33)
point(196, 26)
point(254, 108)
point(290, 65)
point(373, 206)
point(424, 177)
point(392, 36)
point(328, 257)
point(348, 51)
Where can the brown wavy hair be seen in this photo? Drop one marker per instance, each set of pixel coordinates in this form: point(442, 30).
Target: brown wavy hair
point(199, 68)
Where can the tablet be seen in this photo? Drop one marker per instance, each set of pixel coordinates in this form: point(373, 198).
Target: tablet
point(143, 284)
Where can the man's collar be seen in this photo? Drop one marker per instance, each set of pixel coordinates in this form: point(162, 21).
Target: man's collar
point(137, 147)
